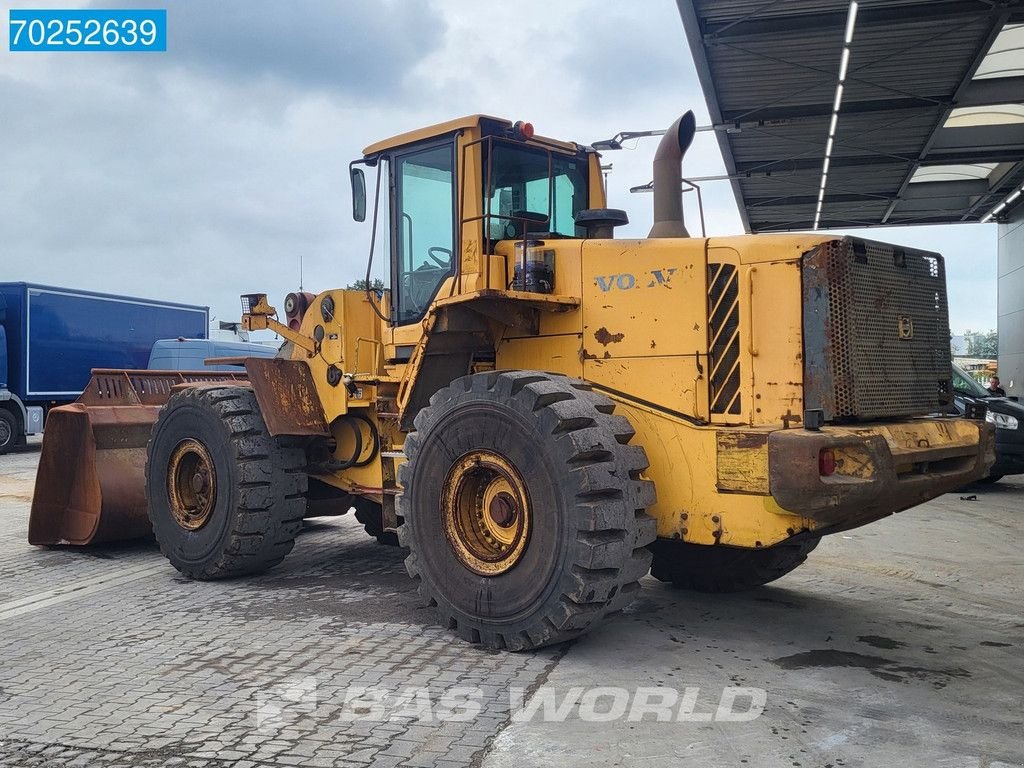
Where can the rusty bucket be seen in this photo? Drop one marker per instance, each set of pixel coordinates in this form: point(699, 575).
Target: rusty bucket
point(90, 485)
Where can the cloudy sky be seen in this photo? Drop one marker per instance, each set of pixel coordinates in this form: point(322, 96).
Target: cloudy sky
point(209, 170)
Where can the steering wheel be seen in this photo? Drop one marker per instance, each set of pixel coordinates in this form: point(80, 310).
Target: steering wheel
point(443, 263)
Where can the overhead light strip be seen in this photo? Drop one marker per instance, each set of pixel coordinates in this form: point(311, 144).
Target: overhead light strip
point(844, 66)
point(1007, 202)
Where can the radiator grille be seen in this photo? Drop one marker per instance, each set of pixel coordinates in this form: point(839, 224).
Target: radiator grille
point(876, 331)
point(724, 339)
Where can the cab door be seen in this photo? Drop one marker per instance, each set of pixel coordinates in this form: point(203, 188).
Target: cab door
point(423, 223)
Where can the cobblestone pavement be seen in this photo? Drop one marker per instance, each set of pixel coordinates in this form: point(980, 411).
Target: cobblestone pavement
point(899, 642)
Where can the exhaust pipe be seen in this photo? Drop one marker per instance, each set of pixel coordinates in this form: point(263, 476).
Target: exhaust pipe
point(668, 178)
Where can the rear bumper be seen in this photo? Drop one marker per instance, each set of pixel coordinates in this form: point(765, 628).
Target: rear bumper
point(880, 469)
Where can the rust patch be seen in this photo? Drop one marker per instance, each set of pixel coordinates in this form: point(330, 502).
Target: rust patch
point(742, 463)
point(743, 440)
point(606, 337)
point(653, 344)
point(584, 355)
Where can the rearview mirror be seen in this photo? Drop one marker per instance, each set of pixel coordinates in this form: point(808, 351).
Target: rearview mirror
point(358, 194)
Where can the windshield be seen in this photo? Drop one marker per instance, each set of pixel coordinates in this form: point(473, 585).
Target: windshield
point(965, 385)
point(548, 188)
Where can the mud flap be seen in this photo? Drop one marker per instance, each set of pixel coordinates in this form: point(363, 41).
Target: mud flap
point(287, 397)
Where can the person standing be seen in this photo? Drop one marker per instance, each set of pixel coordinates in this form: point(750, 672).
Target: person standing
point(994, 389)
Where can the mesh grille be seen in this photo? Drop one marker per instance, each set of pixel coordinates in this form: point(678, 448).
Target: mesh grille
point(724, 338)
point(876, 331)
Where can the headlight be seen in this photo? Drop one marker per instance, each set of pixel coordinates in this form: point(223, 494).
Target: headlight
point(1001, 420)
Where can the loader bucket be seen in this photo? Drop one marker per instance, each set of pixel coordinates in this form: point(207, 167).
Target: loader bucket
point(90, 485)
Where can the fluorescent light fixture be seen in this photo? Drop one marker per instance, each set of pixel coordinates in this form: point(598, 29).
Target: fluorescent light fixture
point(844, 67)
point(1007, 202)
point(851, 22)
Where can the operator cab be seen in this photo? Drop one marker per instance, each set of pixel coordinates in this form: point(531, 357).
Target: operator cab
point(453, 191)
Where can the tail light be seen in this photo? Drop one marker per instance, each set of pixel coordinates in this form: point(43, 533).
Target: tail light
point(826, 462)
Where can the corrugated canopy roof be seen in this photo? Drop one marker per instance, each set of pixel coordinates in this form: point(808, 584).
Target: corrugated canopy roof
point(929, 125)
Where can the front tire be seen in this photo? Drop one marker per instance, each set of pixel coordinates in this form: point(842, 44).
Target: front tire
point(225, 497)
point(707, 568)
point(524, 508)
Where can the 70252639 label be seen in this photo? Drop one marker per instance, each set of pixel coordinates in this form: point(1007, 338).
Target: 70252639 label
point(87, 29)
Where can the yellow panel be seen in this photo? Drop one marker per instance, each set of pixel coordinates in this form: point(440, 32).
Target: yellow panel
point(674, 382)
point(683, 467)
point(644, 298)
point(567, 257)
point(775, 341)
point(559, 354)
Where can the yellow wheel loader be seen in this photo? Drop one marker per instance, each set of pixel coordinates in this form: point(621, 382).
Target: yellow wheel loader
point(540, 412)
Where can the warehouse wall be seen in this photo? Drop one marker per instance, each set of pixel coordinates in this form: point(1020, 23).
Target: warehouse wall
point(1011, 303)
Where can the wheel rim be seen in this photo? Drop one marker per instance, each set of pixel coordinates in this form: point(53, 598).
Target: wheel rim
point(5, 432)
point(486, 512)
point(191, 485)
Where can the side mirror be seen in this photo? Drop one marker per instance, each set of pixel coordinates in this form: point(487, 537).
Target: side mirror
point(358, 194)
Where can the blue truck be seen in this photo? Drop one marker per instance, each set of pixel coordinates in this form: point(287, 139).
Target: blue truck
point(50, 339)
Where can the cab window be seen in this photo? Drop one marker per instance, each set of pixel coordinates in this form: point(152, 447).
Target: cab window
point(537, 183)
point(425, 228)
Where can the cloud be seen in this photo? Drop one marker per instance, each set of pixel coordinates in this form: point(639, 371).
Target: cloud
point(354, 49)
point(208, 171)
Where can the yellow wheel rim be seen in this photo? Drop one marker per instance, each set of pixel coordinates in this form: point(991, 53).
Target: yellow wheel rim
point(486, 512)
point(191, 484)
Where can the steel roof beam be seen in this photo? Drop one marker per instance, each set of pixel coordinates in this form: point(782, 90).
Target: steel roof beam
point(772, 26)
point(979, 137)
point(979, 93)
point(782, 166)
point(989, 92)
point(928, 190)
point(755, 115)
point(922, 191)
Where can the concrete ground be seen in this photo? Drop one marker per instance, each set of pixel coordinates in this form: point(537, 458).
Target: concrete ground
point(901, 643)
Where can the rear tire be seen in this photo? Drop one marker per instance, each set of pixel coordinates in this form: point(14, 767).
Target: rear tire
point(524, 508)
point(225, 498)
point(370, 515)
point(706, 568)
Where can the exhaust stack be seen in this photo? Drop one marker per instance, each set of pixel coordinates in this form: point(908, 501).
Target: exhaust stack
point(668, 178)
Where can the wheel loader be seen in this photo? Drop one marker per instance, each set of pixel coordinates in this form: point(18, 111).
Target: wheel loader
point(540, 412)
